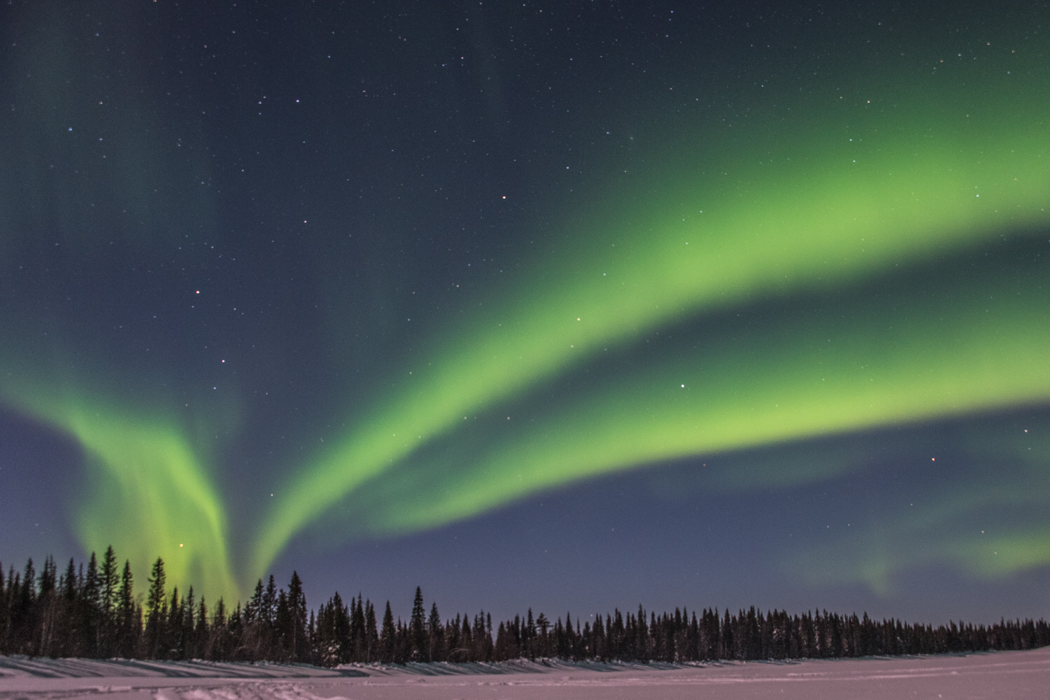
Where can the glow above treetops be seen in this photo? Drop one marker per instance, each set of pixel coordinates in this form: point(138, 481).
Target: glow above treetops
point(818, 211)
point(818, 269)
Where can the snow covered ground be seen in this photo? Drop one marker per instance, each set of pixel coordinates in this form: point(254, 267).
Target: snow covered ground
point(1013, 675)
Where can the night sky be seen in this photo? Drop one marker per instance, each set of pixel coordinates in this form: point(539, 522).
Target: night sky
point(570, 305)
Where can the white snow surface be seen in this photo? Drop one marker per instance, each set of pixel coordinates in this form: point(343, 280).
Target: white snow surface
point(1020, 675)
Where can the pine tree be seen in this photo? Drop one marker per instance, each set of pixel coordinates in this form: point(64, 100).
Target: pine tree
point(482, 638)
point(542, 643)
point(402, 643)
point(598, 643)
point(253, 608)
point(200, 633)
point(49, 576)
point(11, 593)
point(435, 635)
point(268, 613)
point(340, 630)
point(388, 637)
point(109, 582)
point(90, 610)
point(296, 633)
point(466, 641)
point(128, 616)
point(358, 641)
point(218, 644)
point(371, 631)
point(156, 610)
point(49, 611)
point(530, 635)
point(569, 651)
point(171, 639)
point(452, 628)
point(418, 630)
point(23, 612)
point(281, 629)
point(187, 648)
point(69, 633)
point(4, 612)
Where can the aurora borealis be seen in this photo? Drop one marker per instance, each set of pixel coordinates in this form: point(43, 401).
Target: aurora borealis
point(287, 290)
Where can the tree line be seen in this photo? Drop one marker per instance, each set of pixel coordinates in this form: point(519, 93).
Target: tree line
point(94, 612)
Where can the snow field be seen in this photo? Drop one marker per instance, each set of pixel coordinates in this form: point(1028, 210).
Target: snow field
point(1020, 675)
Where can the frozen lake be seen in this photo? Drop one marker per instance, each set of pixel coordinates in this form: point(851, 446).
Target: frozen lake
point(1014, 675)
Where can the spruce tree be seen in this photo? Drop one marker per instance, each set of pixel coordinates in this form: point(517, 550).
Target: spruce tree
point(156, 610)
point(282, 632)
point(70, 633)
point(23, 612)
point(269, 603)
point(341, 640)
point(218, 644)
point(435, 635)
point(371, 631)
point(253, 608)
point(46, 638)
point(184, 620)
point(109, 583)
point(402, 643)
point(466, 640)
point(530, 636)
point(418, 630)
point(358, 642)
point(49, 576)
point(128, 616)
point(598, 645)
point(296, 633)
point(172, 627)
point(173, 642)
point(452, 639)
point(200, 633)
point(90, 610)
point(388, 637)
point(4, 612)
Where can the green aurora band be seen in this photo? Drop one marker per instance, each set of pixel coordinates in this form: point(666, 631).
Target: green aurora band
point(799, 212)
point(150, 495)
point(799, 376)
point(846, 193)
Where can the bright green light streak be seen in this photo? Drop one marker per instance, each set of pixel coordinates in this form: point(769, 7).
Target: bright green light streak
point(150, 495)
point(982, 348)
point(803, 217)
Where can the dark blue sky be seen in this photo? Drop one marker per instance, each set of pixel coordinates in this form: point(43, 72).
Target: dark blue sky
point(569, 306)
